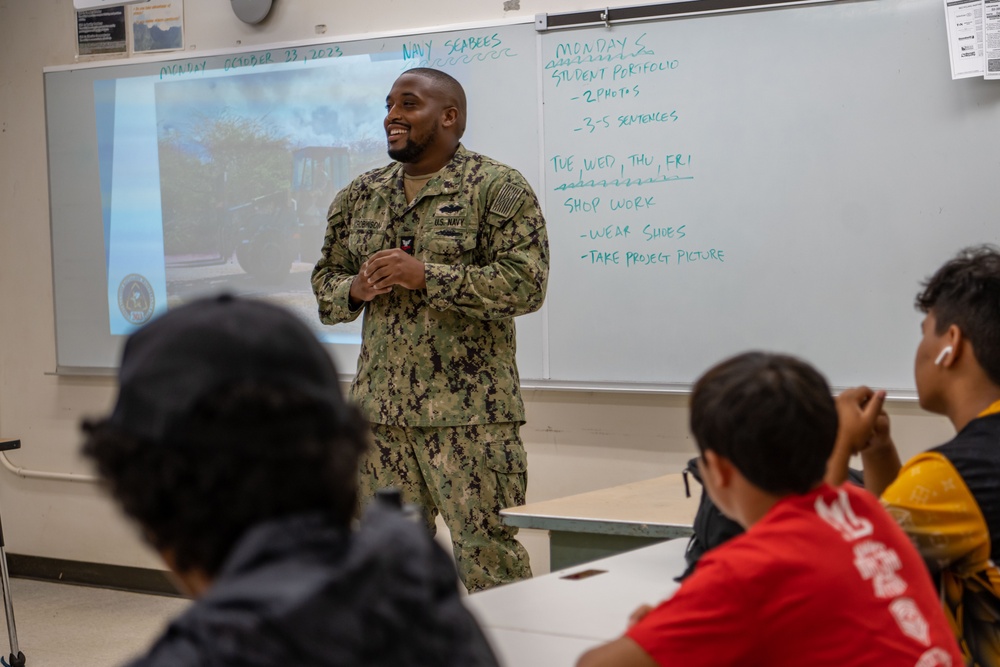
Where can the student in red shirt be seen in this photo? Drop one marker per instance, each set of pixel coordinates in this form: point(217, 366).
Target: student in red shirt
point(821, 577)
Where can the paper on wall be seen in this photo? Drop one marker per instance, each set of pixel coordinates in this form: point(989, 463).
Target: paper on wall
point(158, 26)
point(964, 19)
point(991, 38)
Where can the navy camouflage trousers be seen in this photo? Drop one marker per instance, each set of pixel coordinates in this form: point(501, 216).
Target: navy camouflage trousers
point(467, 474)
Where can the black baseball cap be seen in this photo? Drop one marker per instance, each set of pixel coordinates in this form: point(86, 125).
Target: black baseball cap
point(182, 356)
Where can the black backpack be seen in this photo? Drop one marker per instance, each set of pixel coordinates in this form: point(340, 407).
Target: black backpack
point(712, 527)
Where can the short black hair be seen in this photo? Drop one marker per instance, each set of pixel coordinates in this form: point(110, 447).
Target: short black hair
point(451, 87)
point(966, 292)
point(247, 453)
point(229, 414)
point(771, 415)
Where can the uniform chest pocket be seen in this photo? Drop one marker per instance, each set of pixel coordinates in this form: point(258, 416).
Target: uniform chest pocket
point(449, 238)
point(365, 238)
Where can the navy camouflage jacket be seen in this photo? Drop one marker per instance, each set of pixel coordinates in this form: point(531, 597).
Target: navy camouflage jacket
point(443, 356)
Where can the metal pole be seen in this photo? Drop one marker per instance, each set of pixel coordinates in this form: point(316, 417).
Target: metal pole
point(16, 657)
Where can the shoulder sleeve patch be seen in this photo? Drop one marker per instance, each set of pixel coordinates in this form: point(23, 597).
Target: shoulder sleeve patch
point(507, 201)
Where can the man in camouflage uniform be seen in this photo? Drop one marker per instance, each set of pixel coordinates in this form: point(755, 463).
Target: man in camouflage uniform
point(440, 250)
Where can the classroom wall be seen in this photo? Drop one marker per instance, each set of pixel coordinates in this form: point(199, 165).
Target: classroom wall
point(576, 441)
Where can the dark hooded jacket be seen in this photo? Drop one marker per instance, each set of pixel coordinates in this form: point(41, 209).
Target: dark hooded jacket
point(302, 592)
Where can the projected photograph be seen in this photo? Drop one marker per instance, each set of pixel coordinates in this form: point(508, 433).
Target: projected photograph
point(248, 167)
point(200, 173)
point(244, 168)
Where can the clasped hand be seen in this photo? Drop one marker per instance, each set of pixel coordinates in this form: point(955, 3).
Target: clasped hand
point(863, 421)
point(383, 271)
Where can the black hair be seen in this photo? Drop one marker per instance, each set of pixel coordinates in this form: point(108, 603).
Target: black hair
point(451, 87)
point(771, 415)
point(966, 292)
point(248, 453)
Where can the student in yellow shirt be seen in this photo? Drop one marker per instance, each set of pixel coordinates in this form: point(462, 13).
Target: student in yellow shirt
point(946, 499)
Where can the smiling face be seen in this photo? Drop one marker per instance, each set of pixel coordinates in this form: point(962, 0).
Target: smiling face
point(420, 124)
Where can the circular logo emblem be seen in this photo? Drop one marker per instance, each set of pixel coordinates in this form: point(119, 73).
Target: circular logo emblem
point(135, 298)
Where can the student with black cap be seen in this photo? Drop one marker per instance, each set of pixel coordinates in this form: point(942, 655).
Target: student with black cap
point(232, 447)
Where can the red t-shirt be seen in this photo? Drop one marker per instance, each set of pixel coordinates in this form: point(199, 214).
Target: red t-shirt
point(825, 578)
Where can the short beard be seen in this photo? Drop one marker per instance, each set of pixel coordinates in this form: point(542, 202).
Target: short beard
point(412, 152)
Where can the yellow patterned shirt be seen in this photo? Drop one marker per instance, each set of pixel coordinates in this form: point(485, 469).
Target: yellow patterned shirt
point(948, 501)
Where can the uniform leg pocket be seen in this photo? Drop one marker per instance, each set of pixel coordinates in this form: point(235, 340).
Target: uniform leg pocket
point(493, 476)
point(509, 464)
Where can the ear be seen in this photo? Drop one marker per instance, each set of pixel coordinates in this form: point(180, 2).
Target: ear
point(953, 337)
point(449, 116)
point(719, 468)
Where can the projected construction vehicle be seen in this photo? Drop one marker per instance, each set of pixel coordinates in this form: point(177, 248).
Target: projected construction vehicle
point(272, 231)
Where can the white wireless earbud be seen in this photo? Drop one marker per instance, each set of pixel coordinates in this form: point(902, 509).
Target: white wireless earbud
point(944, 353)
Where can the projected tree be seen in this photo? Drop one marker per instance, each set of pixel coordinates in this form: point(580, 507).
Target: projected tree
point(212, 170)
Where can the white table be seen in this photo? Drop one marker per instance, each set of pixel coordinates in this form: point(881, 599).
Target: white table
point(549, 621)
point(602, 523)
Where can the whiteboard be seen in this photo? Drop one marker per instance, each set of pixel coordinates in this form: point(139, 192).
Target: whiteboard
point(779, 180)
point(137, 199)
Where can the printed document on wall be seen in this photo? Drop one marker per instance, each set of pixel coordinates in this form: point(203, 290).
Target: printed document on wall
point(991, 30)
point(158, 26)
point(964, 19)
